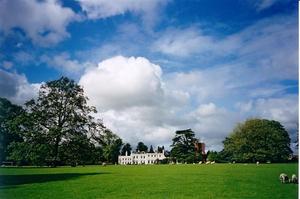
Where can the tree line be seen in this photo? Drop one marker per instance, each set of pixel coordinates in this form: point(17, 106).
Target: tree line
point(255, 140)
point(59, 128)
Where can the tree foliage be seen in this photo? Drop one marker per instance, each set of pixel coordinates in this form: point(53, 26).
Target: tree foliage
point(160, 149)
point(151, 149)
point(8, 111)
point(257, 140)
point(183, 149)
point(126, 148)
point(59, 117)
point(141, 147)
point(110, 143)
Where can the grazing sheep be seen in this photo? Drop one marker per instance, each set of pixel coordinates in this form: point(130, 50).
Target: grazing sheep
point(294, 179)
point(213, 162)
point(208, 162)
point(257, 163)
point(283, 178)
point(200, 162)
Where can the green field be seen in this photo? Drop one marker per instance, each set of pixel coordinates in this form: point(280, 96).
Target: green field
point(152, 181)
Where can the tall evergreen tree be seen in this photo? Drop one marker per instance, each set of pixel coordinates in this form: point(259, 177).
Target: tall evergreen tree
point(151, 149)
point(183, 149)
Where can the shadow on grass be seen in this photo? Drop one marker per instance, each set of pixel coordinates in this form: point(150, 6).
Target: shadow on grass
point(11, 180)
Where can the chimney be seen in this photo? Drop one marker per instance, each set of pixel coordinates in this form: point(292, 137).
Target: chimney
point(126, 154)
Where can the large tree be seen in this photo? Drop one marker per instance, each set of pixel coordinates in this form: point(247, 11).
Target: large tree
point(126, 148)
point(110, 143)
point(258, 140)
point(60, 115)
point(183, 149)
point(141, 147)
point(8, 111)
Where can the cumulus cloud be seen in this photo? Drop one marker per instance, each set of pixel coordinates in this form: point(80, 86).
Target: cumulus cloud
point(140, 103)
point(132, 99)
point(122, 82)
point(44, 22)
point(16, 88)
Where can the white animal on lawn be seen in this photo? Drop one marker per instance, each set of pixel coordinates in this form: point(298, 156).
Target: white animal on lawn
point(213, 162)
point(283, 178)
point(294, 179)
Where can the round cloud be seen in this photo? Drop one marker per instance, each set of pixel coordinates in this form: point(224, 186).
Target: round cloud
point(122, 82)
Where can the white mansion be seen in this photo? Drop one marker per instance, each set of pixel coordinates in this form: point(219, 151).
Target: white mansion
point(141, 158)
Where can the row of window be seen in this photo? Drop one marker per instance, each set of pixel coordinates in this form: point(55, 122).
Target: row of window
point(126, 159)
point(141, 162)
point(141, 157)
point(145, 156)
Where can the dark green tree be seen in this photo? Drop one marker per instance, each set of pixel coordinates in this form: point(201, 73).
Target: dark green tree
point(151, 149)
point(8, 111)
point(183, 149)
point(258, 140)
point(78, 151)
point(58, 116)
point(110, 143)
point(126, 148)
point(160, 149)
point(214, 156)
point(141, 147)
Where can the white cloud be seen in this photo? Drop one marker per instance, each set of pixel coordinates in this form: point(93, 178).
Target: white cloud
point(102, 9)
point(264, 4)
point(123, 82)
point(283, 109)
point(148, 9)
point(212, 124)
point(44, 22)
point(133, 100)
point(65, 64)
point(23, 57)
point(16, 88)
point(267, 47)
point(183, 42)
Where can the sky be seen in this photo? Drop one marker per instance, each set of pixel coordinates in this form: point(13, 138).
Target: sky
point(152, 67)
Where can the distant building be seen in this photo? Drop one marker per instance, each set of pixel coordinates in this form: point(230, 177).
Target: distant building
point(141, 158)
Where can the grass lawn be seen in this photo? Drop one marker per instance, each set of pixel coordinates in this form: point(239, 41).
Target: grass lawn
point(152, 181)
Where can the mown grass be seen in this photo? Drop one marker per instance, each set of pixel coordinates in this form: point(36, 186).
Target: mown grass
point(152, 181)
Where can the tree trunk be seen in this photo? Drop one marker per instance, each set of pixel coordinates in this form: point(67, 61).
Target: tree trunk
point(56, 157)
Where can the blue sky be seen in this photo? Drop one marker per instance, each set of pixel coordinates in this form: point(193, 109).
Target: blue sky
point(154, 66)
